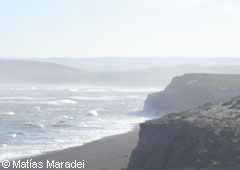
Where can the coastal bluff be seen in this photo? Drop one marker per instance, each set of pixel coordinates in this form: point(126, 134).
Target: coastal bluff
point(204, 138)
point(192, 90)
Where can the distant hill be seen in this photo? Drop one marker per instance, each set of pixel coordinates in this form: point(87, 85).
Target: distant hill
point(19, 71)
point(13, 71)
point(134, 63)
point(158, 76)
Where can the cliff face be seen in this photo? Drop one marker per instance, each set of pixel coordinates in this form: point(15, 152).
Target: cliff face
point(206, 138)
point(192, 90)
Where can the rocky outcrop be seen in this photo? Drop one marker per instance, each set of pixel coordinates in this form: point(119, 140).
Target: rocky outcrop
point(205, 138)
point(192, 90)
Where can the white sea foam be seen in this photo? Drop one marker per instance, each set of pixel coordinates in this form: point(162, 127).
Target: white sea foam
point(8, 113)
point(135, 109)
point(83, 125)
point(34, 125)
point(3, 145)
point(38, 109)
point(66, 117)
point(126, 90)
point(63, 101)
point(91, 98)
point(106, 97)
point(73, 90)
point(12, 135)
point(66, 101)
point(92, 113)
point(16, 98)
point(51, 102)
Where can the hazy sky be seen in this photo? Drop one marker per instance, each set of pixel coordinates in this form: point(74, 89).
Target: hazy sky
point(130, 28)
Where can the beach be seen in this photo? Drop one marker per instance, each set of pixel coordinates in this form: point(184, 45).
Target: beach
point(109, 153)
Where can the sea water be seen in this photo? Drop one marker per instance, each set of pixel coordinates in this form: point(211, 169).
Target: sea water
point(35, 120)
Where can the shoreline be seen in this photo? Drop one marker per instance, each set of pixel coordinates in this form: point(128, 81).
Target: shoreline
point(133, 128)
point(109, 153)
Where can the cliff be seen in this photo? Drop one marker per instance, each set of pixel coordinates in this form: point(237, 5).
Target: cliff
point(192, 90)
point(205, 138)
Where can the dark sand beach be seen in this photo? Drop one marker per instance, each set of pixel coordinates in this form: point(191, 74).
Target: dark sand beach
point(109, 153)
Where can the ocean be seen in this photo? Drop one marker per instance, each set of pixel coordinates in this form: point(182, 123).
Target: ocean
point(35, 120)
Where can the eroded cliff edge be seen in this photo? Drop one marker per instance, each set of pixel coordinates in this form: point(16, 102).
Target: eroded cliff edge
point(192, 90)
point(205, 138)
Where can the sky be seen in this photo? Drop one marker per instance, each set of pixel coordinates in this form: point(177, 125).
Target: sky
point(119, 28)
